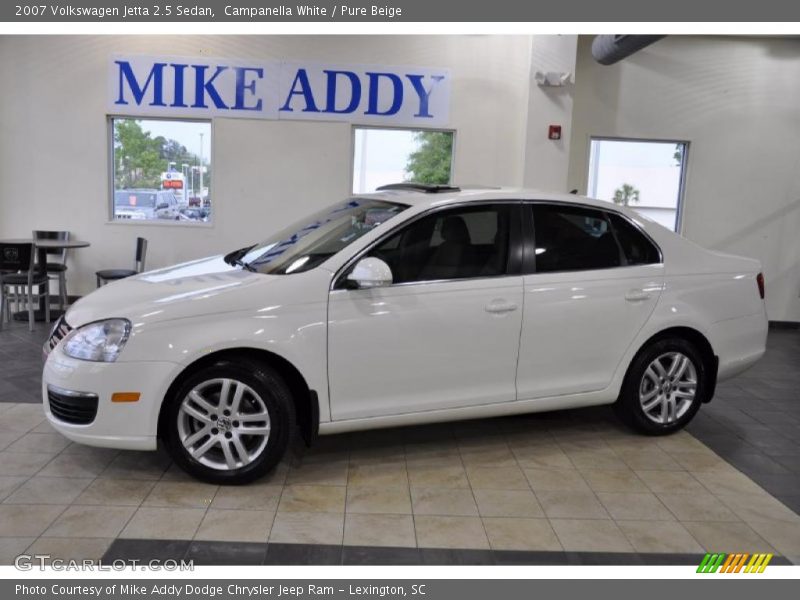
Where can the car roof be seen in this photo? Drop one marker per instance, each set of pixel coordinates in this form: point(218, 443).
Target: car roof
point(444, 195)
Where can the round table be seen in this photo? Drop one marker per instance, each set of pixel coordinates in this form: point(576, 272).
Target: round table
point(42, 246)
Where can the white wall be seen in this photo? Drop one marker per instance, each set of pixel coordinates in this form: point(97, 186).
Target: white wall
point(54, 144)
point(736, 101)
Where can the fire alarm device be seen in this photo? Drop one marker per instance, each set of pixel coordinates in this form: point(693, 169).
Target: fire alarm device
point(554, 132)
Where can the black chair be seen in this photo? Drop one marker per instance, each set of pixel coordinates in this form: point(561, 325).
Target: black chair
point(56, 262)
point(107, 275)
point(20, 259)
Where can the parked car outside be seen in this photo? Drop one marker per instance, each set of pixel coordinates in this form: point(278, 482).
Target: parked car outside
point(404, 307)
point(146, 204)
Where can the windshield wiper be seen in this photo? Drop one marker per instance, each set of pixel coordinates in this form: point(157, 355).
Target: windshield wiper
point(235, 258)
point(245, 265)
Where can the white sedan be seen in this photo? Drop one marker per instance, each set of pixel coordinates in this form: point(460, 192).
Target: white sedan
point(413, 305)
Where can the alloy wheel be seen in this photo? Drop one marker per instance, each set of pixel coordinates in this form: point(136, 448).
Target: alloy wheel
point(668, 388)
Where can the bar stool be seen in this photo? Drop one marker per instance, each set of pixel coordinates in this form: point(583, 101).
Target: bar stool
point(19, 258)
point(56, 262)
point(107, 275)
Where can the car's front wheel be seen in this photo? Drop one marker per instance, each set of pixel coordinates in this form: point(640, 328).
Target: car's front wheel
point(229, 423)
point(664, 387)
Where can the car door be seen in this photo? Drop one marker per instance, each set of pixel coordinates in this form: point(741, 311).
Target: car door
point(445, 333)
point(594, 280)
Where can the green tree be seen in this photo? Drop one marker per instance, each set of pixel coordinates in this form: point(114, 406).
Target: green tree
point(137, 156)
point(678, 155)
point(626, 194)
point(432, 160)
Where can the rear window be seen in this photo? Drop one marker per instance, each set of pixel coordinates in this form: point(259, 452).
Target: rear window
point(637, 248)
point(136, 199)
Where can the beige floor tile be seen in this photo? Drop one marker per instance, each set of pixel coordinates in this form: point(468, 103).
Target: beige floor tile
point(697, 507)
point(588, 459)
point(507, 503)
point(45, 443)
point(716, 536)
point(137, 465)
point(12, 420)
point(312, 498)
point(318, 473)
point(590, 535)
point(389, 500)
point(614, 480)
point(22, 464)
point(91, 521)
point(571, 440)
point(70, 548)
point(8, 484)
point(542, 458)
point(442, 501)
point(728, 482)
point(307, 528)
point(571, 505)
point(520, 534)
point(634, 506)
point(758, 507)
point(18, 520)
point(699, 461)
point(556, 480)
point(9, 437)
point(783, 536)
point(453, 476)
point(255, 496)
point(115, 492)
point(379, 530)
point(680, 442)
point(450, 532)
point(380, 455)
point(48, 490)
point(673, 482)
point(76, 465)
point(164, 523)
point(497, 478)
point(11, 547)
point(377, 475)
point(179, 494)
point(499, 456)
point(235, 525)
point(659, 536)
point(653, 459)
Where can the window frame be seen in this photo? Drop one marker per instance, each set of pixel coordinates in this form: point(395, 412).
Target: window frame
point(355, 127)
point(529, 237)
point(679, 211)
point(514, 266)
point(110, 173)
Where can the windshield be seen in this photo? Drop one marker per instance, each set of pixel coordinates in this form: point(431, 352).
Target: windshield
point(313, 240)
point(135, 199)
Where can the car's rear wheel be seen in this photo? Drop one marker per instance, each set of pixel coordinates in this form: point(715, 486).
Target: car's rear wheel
point(664, 387)
point(230, 423)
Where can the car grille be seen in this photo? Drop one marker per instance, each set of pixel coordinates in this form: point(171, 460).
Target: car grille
point(78, 408)
point(59, 332)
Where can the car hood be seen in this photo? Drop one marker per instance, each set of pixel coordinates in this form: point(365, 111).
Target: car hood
point(196, 288)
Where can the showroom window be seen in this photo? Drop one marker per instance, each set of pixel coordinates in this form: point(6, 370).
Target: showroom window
point(383, 156)
point(645, 175)
point(161, 170)
point(451, 244)
point(569, 238)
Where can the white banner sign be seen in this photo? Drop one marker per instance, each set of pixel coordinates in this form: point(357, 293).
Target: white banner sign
point(179, 86)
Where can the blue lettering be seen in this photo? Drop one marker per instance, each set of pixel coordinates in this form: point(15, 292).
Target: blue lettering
point(156, 77)
point(304, 90)
point(201, 87)
point(424, 96)
point(242, 86)
point(355, 92)
point(177, 101)
point(397, 101)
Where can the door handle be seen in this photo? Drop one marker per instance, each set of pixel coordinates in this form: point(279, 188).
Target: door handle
point(637, 296)
point(499, 306)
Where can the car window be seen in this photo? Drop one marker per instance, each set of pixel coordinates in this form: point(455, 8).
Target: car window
point(135, 198)
point(450, 244)
point(572, 238)
point(637, 248)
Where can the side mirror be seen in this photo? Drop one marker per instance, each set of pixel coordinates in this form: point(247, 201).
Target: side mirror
point(370, 273)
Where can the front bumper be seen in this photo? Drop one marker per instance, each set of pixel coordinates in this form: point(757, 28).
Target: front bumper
point(126, 425)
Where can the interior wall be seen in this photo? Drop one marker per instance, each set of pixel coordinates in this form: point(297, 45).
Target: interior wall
point(54, 138)
point(735, 101)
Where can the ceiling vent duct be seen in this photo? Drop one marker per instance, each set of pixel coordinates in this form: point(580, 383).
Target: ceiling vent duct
point(610, 49)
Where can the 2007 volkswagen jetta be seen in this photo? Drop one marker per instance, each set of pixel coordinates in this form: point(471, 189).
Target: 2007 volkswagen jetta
point(413, 305)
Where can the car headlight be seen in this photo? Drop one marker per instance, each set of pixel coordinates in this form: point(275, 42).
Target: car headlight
point(100, 341)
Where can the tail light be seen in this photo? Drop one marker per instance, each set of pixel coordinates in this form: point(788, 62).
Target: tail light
point(760, 282)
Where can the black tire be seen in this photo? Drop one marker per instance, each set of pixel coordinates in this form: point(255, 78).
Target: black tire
point(277, 398)
point(628, 406)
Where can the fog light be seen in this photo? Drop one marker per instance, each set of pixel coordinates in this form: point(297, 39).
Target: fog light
point(125, 397)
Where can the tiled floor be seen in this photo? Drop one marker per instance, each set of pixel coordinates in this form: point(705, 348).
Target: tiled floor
point(565, 487)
